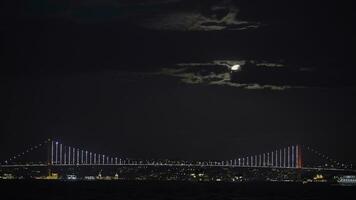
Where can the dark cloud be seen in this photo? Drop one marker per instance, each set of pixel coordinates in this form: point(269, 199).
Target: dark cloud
point(257, 75)
point(182, 15)
point(219, 15)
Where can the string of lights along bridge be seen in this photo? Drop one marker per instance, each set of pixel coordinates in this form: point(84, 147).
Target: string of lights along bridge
point(289, 157)
point(60, 154)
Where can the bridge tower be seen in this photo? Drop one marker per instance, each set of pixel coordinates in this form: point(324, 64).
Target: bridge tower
point(299, 156)
point(50, 149)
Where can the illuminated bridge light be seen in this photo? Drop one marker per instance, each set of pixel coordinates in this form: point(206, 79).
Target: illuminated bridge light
point(288, 157)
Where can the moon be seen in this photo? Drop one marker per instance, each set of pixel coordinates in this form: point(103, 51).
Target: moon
point(235, 67)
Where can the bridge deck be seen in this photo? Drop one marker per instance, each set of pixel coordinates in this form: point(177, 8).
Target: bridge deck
point(174, 165)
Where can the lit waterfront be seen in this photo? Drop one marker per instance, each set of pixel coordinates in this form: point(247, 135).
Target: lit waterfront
point(173, 173)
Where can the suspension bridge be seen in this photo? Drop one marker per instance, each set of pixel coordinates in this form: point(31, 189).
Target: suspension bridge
point(62, 155)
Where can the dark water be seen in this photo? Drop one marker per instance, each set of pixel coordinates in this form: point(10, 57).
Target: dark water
point(170, 190)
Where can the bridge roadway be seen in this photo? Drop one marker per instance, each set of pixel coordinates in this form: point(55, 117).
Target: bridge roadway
point(176, 165)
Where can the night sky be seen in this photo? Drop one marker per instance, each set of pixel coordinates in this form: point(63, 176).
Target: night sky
point(152, 78)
